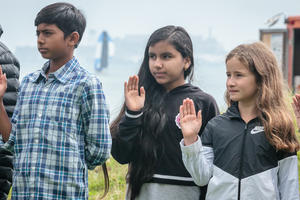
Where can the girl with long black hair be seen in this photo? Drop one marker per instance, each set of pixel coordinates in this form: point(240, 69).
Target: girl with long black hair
point(146, 133)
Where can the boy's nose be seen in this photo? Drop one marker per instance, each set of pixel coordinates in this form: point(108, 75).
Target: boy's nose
point(40, 39)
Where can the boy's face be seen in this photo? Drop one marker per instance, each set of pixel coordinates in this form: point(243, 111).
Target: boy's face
point(51, 42)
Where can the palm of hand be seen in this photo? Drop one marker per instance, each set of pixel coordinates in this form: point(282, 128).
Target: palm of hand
point(134, 96)
point(190, 125)
point(134, 101)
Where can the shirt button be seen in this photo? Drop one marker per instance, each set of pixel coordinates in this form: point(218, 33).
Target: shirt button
point(40, 114)
point(36, 141)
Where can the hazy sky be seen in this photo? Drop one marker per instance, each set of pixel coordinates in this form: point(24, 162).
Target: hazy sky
point(231, 22)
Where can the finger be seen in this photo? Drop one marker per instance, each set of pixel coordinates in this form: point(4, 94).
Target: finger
point(296, 110)
point(296, 103)
point(125, 88)
point(130, 80)
point(199, 115)
point(133, 83)
point(297, 98)
point(192, 108)
point(181, 112)
point(142, 92)
point(188, 106)
point(136, 82)
point(185, 105)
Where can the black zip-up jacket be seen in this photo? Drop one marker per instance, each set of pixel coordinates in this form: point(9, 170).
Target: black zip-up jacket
point(6, 171)
point(237, 162)
point(170, 168)
point(11, 67)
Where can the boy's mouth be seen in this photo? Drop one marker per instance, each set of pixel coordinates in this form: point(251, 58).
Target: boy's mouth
point(43, 50)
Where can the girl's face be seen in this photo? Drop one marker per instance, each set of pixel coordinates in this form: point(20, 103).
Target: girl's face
point(241, 82)
point(167, 65)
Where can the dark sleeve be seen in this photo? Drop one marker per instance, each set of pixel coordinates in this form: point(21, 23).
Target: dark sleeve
point(11, 67)
point(6, 171)
point(125, 142)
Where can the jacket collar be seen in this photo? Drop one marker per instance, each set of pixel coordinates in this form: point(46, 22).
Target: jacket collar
point(234, 113)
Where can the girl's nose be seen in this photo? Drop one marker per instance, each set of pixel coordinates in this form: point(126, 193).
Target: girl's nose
point(158, 63)
point(230, 82)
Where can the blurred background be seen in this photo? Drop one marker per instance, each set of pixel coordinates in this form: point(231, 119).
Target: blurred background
point(215, 26)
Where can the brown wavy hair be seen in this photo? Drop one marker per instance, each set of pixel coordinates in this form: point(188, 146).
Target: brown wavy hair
point(270, 102)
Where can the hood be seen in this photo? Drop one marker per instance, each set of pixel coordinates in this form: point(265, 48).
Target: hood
point(188, 88)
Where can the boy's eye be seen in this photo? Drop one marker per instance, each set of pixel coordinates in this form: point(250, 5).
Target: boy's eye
point(47, 33)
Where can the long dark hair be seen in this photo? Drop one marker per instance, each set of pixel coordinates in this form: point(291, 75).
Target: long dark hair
point(154, 118)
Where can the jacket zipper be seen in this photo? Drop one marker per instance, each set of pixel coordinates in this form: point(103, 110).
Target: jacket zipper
point(242, 161)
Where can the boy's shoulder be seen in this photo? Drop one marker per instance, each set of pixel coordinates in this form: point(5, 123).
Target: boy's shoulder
point(83, 75)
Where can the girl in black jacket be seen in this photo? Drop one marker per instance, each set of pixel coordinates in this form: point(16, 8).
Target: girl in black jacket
point(146, 133)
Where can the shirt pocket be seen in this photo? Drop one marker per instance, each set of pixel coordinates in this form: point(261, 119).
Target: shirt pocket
point(63, 122)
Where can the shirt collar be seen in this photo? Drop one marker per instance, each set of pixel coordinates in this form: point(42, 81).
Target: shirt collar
point(62, 74)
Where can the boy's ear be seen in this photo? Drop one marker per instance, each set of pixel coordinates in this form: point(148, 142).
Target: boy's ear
point(73, 38)
point(187, 63)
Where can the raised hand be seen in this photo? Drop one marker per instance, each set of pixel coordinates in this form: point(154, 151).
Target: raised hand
point(3, 83)
point(189, 122)
point(134, 97)
point(296, 108)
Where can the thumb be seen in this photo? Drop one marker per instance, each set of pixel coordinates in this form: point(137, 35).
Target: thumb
point(199, 115)
point(142, 91)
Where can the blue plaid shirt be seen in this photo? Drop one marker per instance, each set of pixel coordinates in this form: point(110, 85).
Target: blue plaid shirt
point(60, 128)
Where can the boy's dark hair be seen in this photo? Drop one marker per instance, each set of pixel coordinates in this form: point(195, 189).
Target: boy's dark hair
point(65, 16)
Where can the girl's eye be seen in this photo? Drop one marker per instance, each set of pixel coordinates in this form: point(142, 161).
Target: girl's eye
point(228, 75)
point(152, 56)
point(167, 56)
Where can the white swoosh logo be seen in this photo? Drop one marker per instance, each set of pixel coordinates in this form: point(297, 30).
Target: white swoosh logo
point(257, 129)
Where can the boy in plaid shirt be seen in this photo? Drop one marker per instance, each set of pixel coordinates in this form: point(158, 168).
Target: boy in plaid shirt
point(60, 126)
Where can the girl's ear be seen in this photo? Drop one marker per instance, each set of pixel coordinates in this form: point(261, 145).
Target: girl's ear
point(73, 38)
point(187, 63)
